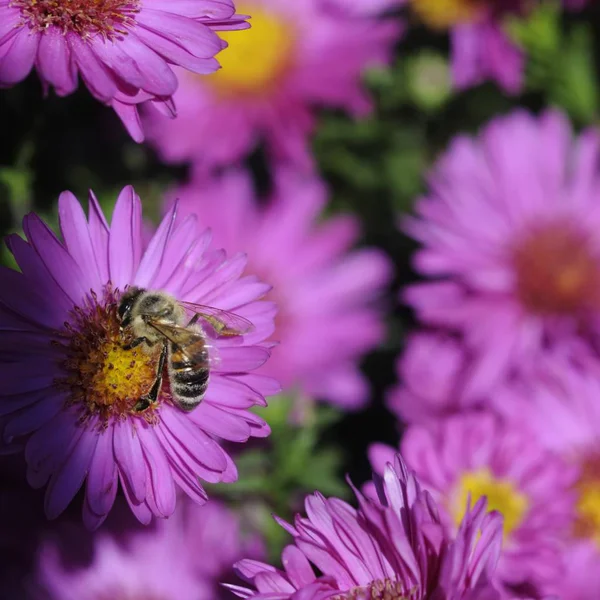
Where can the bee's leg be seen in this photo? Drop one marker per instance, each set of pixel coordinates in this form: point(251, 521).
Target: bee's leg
point(137, 342)
point(193, 320)
point(150, 398)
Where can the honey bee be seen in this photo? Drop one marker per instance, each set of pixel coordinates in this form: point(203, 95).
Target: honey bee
point(155, 317)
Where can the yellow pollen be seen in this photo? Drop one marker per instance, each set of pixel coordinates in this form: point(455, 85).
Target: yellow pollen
point(502, 495)
point(121, 374)
point(256, 58)
point(103, 378)
point(108, 18)
point(587, 524)
point(444, 14)
point(557, 271)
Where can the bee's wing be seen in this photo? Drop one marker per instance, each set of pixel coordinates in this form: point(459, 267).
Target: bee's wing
point(183, 337)
point(224, 323)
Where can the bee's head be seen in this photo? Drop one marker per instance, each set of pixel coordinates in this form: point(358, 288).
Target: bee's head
point(128, 299)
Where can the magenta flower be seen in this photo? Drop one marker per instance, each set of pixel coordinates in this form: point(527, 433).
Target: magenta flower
point(296, 56)
point(432, 372)
point(393, 547)
point(476, 455)
point(123, 50)
point(559, 398)
point(72, 394)
point(324, 291)
point(380, 552)
point(182, 558)
point(510, 231)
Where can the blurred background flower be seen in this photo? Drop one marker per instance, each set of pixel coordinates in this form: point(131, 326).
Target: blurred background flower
point(295, 57)
point(327, 294)
point(417, 180)
point(475, 455)
point(185, 557)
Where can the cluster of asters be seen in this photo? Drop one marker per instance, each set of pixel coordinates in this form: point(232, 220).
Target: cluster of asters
point(497, 492)
point(500, 385)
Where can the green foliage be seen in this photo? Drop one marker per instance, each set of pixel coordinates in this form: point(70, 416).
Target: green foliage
point(276, 475)
point(560, 61)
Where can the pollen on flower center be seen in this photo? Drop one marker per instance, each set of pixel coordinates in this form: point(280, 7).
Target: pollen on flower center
point(256, 58)
point(502, 495)
point(108, 18)
point(587, 524)
point(380, 589)
point(556, 271)
point(103, 377)
point(444, 14)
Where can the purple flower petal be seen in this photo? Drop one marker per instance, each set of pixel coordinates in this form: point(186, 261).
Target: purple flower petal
point(125, 242)
point(16, 64)
point(102, 480)
point(78, 241)
point(69, 478)
point(54, 62)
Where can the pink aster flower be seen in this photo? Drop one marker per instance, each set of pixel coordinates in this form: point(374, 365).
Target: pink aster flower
point(296, 56)
point(393, 547)
point(432, 370)
point(182, 558)
point(123, 50)
point(325, 292)
point(477, 455)
point(559, 398)
point(72, 390)
point(510, 231)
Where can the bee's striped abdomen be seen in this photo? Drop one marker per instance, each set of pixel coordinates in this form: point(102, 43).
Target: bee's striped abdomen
point(189, 376)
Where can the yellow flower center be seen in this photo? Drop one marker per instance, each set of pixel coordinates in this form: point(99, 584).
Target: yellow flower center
point(444, 14)
point(257, 57)
point(587, 524)
point(103, 377)
point(502, 495)
point(556, 270)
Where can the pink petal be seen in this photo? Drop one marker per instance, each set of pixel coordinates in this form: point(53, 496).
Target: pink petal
point(54, 62)
point(130, 460)
point(125, 242)
point(16, 64)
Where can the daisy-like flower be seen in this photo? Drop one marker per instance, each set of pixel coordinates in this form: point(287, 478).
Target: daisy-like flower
point(297, 55)
point(432, 369)
point(123, 50)
point(73, 390)
point(325, 292)
point(390, 548)
point(510, 231)
point(559, 398)
point(183, 558)
point(476, 455)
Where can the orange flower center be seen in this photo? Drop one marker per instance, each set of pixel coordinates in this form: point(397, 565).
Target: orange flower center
point(557, 271)
point(108, 18)
point(256, 58)
point(102, 376)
